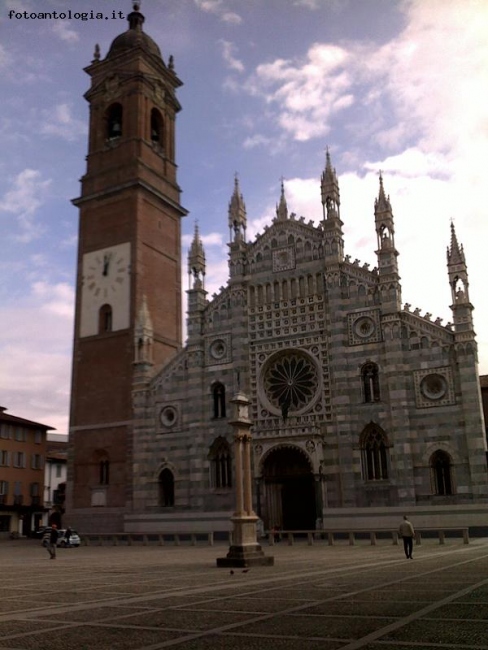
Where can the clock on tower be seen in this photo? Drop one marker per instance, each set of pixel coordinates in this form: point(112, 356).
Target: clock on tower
point(129, 259)
point(105, 293)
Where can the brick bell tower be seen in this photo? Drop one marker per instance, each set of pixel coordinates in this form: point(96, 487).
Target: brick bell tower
point(129, 268)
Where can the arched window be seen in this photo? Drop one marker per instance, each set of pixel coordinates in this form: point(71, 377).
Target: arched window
point(218, 394)
point(276, 291)
point(310, 285)
point(370, 382)
point(293, 288)
point(440, 468)
point(114, 121)
point(374, 454)
point(220, 464)
point(252, 297)
point(166, 489)
point(157, 127)
point(105, 319)
point(284, 289)
point(260, 294)
point(104, 468)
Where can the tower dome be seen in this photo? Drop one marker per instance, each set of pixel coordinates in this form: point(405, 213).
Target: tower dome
point(134, 37)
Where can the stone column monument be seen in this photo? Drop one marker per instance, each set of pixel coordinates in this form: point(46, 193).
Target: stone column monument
point(244, 550)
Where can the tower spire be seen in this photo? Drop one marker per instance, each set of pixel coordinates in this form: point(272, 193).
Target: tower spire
point(143, 335)
point(197, 296)
point(458, 279)
point(385, 229)
point(388, 276)
point(455, 254)
point(237, 213)
point(332, 224)
point(282, 207)
point(329, 185)
point(196, 260)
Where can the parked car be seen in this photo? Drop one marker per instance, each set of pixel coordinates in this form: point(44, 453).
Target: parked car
point(74, 539)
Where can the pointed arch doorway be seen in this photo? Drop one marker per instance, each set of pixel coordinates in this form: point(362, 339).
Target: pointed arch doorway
point(289, 490)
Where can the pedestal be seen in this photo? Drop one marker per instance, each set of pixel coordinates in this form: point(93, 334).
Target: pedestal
point(245, 551)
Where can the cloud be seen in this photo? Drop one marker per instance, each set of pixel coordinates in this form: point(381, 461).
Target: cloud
point(36, 354)
point(60, 122)
point(414, 162)
point(62, 29)
point(309, 4)
point(16, 5)
point(305, 95)
point(228, 50)
point(23, 200)
point(5, 58)
point(427, 83)
point(315, 4)
point(57, 299)
point(257, 140)
point(211, 239)
point(217, 7)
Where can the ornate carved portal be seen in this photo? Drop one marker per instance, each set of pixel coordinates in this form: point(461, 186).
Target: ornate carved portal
point(288, 491)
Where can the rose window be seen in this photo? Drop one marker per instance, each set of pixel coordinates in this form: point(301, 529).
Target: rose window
point(433, 386)
point(290, 381)
point(364, 327)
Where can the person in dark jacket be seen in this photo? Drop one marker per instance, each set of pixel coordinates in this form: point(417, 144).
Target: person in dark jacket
point(53, 538)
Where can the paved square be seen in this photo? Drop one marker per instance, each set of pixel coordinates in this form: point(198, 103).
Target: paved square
point(150, 597)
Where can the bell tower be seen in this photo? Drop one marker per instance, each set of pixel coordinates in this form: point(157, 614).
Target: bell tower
point(129, 262)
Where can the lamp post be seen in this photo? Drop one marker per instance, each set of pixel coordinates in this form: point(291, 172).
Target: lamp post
point(244, 550)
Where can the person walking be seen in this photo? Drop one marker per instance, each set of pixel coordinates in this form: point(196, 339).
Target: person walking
point(407, 533)
point(53, 538)
point(67, 536)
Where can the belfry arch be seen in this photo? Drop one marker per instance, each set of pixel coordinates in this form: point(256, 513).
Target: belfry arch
point(287, 489)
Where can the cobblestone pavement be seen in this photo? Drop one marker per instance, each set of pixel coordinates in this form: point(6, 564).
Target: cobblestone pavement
point(151, 597)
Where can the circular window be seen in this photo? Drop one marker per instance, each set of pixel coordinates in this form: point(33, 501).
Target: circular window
point(364, 327)
point(433, 386)
point(290, 382)
point(168, 416)
point(218, 349)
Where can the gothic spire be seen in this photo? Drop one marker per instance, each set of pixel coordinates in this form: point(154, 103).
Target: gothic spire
point(282, 207)
point(196, 260)
point(237, 213)
point(144, 322)
point(455, 254)
point(329, 186)
point(143, 334)
point(382, 203)
point(383, 214)
point(457, 271)
point(388, 275)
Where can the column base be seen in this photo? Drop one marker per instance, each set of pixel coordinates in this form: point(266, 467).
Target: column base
point(245, 556)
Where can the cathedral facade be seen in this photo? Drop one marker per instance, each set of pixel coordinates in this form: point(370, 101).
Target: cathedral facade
point(362, 408)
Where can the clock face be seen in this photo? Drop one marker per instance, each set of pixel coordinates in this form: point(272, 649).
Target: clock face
point(106, 273)
point(105, 283)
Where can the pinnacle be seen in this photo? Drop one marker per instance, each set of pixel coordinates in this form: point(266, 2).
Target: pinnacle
point(455, 255)
point(282, 207)
point(382, 203)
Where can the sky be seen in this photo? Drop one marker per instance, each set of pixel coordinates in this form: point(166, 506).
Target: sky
point(398, 86)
